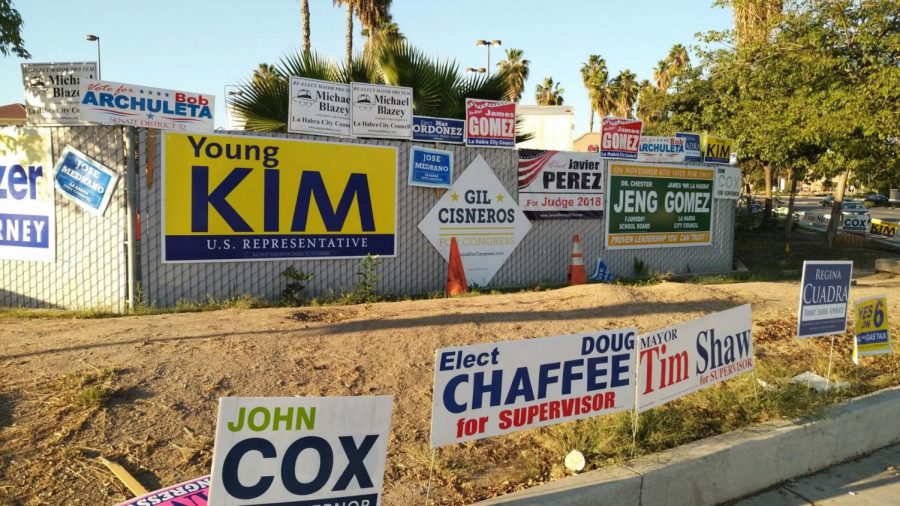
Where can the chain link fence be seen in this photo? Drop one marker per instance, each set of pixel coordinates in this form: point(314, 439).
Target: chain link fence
point(91, 269)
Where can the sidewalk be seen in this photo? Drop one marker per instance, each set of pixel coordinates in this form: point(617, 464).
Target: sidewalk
point(870, 480)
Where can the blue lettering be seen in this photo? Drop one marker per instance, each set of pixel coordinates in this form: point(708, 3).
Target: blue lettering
point(201, 199)
point(312, 187)
point(230, 468)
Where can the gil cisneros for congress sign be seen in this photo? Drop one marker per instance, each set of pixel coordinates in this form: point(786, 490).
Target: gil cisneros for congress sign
point(658, 206)
point(229, 198)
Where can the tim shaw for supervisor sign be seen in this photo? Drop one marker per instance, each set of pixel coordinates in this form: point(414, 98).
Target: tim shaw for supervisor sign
point(253, 198)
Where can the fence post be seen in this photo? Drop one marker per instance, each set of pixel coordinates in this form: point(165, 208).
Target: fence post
point(131, 215)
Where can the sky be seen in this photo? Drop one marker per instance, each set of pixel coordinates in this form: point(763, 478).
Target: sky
point(204, 45)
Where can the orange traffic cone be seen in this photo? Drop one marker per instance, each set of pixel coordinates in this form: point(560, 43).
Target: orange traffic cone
point(456, 276)
point(577, 273)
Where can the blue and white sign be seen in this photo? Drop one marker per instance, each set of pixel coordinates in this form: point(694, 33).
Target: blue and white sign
point(84, 181)
point(824, 292)
point(27, 212)
point(692, 151)
point(428, 129)
point(430, 167)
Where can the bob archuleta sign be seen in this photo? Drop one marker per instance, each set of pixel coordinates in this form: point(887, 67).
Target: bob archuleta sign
point(675, 361)
point(488, 389)
point(112, 103)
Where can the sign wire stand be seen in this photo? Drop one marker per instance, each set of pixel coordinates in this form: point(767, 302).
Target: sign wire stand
point(430, 476)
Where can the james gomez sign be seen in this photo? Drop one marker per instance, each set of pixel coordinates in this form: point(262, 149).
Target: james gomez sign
point(490, 123)
point(111, 103)
point(300, 450)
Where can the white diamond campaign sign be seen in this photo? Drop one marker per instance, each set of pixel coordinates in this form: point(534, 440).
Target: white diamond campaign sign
point(487, 223)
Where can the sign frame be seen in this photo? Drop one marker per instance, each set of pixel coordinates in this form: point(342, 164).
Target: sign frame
point(100, 210)
point(412, 181)
point(363, 132)
point(273, 259)
point(297, 81)
point(75, 101)
point(808, 265)
point(501, 142)
point(462, 137)
point(864, 327)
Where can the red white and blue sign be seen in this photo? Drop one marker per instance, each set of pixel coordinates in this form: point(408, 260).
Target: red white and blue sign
point(692, 151)
point(430, 167)
point(428, 129)
point(824, 295)
point(84, 180)
point(490, 123)
point(111, 103)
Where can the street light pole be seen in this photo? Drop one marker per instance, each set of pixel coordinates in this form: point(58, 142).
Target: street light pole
point(488, 43)
point(95, 38)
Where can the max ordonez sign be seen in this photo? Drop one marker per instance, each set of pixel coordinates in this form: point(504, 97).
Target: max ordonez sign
point(824, 293)
point(300, 450)
point(561, 184)
point(681, 359)
point(111, 103)
point(490, 123)
point(487, 223)
point(488, 389)
point(656, 206)
point(27, 212)
point(451, 131)
point(319, 107)
point(53, 91)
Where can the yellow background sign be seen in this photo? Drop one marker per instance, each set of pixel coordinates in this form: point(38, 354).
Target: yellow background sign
point(716, 149)
point(254, 198)
point(872, 334)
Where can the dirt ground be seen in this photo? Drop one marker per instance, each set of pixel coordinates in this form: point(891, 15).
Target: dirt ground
point(163, 374)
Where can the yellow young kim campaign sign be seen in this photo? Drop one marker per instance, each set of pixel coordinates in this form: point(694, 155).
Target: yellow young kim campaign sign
point(230, 198)
point(872, 335)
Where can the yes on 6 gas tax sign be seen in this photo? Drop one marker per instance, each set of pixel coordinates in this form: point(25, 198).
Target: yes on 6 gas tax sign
point(228, 198)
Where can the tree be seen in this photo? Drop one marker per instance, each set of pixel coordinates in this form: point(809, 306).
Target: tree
point(661, 77)
point(369, 12)
point(384, 33)
point(594, 75)
point(626, 92)
point(263, 74)
point(304, 15)
point(514, 70)
point(549, 93)
point(11, 31)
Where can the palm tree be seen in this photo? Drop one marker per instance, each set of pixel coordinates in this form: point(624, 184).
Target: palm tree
point(264, 73)
point(304, 14)
point(661, 76)
point(753, 19)
point(593, 75)
point(514, 71)
point(677, 59)
point(369, 13)
point(386, 32)
point(549, 93)
point(626, 90)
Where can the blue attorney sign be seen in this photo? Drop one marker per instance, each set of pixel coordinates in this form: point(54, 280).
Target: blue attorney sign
point(430, 129)
point(430, 167)
point(824, 292)
point(692, 151)
point(84, 180)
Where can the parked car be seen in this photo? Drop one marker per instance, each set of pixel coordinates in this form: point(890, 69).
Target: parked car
point(879, 200)
point(855, 208)
point(827, 201)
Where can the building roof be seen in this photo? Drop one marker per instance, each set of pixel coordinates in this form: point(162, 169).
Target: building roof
point(12, 114)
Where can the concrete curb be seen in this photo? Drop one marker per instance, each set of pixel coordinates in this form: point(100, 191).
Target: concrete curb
point(732, 465)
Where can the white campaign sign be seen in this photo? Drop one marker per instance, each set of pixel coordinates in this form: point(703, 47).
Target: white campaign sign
point(484, 218)
point(319, 107)
point(728, 183)
point(27, 212)
point(300, 450)
point(53, 91)
point(675, 361)
point(488, 389)
point(661, 149)
point(112, 103)
point(381, 111)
